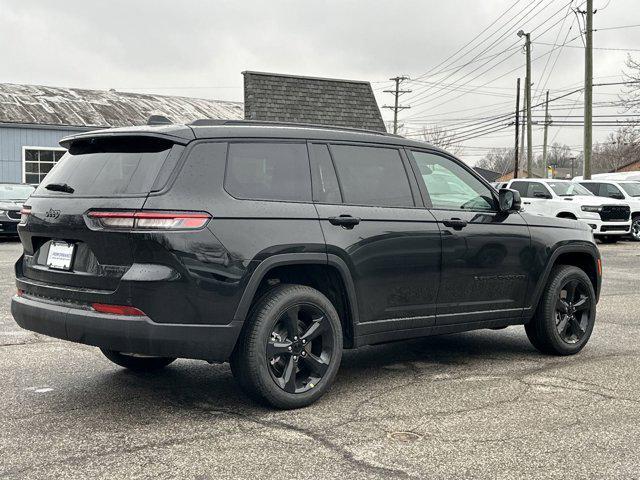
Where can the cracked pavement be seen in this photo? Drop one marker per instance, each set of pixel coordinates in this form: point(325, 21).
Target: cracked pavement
point(479, 405)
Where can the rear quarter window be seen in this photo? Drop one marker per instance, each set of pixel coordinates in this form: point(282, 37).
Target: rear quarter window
point(268, 171)
point(109, 166)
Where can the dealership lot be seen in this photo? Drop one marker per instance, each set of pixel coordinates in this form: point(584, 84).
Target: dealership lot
point(477, 405)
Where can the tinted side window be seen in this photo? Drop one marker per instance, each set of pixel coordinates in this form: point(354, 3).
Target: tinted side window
point(521, 187)
point(592, 187)
point(268, 171)
point(372, 176)
point(611, 191)
point(323, 175)
point(451, 186)
point(531, 189)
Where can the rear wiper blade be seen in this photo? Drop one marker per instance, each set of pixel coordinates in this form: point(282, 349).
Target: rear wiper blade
point(59, 187)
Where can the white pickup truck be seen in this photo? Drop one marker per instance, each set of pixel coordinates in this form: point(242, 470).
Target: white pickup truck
point(626, 190)
point(609, 219)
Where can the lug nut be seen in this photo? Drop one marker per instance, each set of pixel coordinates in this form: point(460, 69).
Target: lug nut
point(295, 358)
point(304, 341)
point(289, 348)
point(304, 354)
point(295, 338)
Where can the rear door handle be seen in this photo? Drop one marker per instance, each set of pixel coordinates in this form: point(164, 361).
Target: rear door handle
point(527, 203)
point(346, 221)
point(455, 223)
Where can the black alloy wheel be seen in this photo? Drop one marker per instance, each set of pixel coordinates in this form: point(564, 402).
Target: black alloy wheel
point(300, 348)
point(573, 311)
point(290, 349)
point(566, 314)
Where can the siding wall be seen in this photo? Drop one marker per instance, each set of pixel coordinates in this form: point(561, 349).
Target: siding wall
point(13, 139)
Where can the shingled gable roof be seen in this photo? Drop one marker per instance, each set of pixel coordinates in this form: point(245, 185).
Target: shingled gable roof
point(323, 101)
point(32, 104)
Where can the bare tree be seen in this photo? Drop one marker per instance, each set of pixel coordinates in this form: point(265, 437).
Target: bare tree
point(621, 148)
point(501, 160)
point(630, 98)
point(441, 137)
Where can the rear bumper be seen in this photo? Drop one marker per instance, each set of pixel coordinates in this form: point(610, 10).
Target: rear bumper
point(124, 333)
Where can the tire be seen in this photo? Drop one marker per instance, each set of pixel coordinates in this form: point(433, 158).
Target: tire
point(135, 363)
point(608, 239)
point(635, 229)
point(275, 366)
point(553, 332)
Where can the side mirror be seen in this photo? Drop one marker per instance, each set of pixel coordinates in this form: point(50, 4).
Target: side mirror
point(509, 200)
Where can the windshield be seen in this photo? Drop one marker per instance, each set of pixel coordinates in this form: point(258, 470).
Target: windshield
point(569, 189)
point(15, 192)
point(632, 188)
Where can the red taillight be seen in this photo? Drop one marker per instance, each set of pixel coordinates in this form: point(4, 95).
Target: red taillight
point(117, 309)
point(599, 267)
point(24, 215)
point(149, 220)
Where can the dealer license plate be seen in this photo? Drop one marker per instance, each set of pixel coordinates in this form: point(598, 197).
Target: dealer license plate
point(60, 255)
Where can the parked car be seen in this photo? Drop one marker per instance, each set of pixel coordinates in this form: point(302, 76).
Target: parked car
point(12, 196)
point(617, 176)
point(629, 191)
point(609, 219)
point(275, 247)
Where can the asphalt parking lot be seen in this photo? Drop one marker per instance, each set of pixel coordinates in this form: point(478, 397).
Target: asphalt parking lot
point(476, 405)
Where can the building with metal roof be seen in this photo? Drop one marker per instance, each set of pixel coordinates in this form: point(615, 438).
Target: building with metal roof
point(33, 119)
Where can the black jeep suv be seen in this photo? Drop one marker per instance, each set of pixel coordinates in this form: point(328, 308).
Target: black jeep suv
point(276, 246)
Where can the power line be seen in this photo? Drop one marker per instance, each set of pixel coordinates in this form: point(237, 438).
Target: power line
point(500, 38)
point(493, 66)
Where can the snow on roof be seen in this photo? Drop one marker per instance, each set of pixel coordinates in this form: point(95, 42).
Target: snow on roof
point(33, 104)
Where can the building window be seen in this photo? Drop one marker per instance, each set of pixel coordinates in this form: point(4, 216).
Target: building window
point(38, 161)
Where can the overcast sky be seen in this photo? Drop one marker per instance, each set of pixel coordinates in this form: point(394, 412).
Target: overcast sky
point(198, 48)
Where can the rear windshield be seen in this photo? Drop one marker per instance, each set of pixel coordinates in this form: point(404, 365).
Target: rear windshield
point(107, 166)
point(15, 192)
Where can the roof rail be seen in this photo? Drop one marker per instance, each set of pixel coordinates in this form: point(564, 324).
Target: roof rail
point(212, 122)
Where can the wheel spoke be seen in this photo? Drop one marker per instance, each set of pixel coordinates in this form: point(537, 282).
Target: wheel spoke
point(562, 325)
point(316, 328)
point(288, 380)
point(291, 320)
point(561, 306)
point(275, 348)
point(577, 328)
point(571, 291)
point(316, 364)
point(582, 304)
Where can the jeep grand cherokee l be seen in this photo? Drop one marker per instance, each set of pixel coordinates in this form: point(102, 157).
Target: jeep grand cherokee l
point(275, 247)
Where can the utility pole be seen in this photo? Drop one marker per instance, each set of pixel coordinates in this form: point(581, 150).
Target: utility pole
point(588, 92)
point(515, 169)
point(546, 127)
point(395, 107)
point(523, 126)
point(527, 85)
point(528, 95)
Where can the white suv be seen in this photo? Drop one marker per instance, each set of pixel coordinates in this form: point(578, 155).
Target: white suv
point(609, 219)
point(629, 191)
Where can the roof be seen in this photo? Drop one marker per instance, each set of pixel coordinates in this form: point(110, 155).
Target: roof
point(238, 129)
point(322, 101)
point(31, 104)
point(488, 175)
